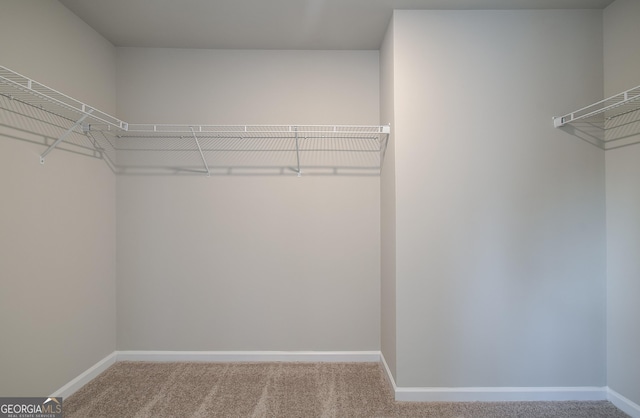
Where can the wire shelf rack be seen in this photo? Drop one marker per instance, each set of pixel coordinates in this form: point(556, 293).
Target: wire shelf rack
point(66, 123)
point(610, 123)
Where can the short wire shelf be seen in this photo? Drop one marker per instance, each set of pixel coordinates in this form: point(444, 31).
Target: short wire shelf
point(610, 123)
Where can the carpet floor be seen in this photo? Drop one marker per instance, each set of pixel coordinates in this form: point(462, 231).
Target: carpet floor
point(145, 390)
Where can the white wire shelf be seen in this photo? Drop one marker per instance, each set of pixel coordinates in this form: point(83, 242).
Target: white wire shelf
point(23, 89)
point(30, 106)
point(610, 123)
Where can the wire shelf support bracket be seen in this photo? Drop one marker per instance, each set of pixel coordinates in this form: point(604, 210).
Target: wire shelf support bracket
point(204, 160)
point(297, 151)
point(64, 135)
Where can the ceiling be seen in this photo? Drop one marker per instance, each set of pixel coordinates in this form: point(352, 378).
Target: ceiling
point(269, 24)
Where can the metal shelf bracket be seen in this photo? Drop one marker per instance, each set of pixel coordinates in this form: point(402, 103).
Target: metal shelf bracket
point(64, 135)
point(297, 152)
point(204, 160)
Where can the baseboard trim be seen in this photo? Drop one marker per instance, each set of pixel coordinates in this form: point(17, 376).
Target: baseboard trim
point(416, 394)
point(624, 404)
point(85, 377)
point(388, 374)
point(500, 394)
point(492, 394)
point(252, 356)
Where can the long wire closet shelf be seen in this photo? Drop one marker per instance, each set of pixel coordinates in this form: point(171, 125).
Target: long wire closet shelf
point(610, 123)
point(34, 112)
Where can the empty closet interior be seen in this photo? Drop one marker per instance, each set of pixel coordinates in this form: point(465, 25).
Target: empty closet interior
point(461, 200)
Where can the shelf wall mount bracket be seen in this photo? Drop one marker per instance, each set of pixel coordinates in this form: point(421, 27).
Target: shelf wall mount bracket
point(385, 129)
point(558, 121)
point(64, 135)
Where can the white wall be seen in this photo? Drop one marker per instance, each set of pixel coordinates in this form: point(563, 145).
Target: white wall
point(57, 222)
point(388, 208)
point(500, 217)
point(248, 263)
point(622, 72)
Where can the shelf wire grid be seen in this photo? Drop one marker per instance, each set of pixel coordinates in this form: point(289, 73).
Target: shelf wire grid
point(18, 87)
point(265, 146)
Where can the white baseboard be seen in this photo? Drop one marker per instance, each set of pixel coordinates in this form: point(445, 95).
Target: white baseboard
point(85, 377)
point(216, 356)
point(418, 394)
point(252, 356)
point(388, 374)
point(625, 405)
point(492, 394)
point(500, 394)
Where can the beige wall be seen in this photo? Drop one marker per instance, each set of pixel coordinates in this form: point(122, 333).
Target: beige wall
point(57, 223)
point(43, 40)
point(248, 263)
point(500, 217)
point(622, 72)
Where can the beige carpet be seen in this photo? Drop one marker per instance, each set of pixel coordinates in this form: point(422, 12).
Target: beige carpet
point(141, 390)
